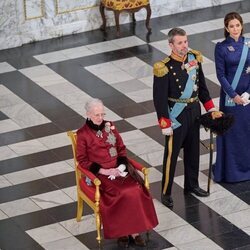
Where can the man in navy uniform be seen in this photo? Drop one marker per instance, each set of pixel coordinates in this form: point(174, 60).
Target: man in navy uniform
point(179, 85)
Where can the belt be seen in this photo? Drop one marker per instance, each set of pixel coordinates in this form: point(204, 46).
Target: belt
point(187, 100)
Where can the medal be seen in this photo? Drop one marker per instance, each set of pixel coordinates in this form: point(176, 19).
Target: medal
point(112, 152)
point(99, 134)
point(111, 139)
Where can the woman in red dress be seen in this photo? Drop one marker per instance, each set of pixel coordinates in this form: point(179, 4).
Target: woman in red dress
point(126, 206)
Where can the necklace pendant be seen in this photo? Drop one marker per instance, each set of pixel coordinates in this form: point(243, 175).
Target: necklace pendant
point(99, 134)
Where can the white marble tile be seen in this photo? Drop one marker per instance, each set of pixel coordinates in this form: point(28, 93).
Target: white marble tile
point(102, 68)
point(102, 47)
point(154, 158)
point(55, 141)
point(128, 42)
point(239, 219)
point(135, 137)
point(139, 71)
point(141, 95)
point(25, 115)
point(227, 205)
point(208, 68)
point(203, 244)
point(55, 168)
point(10, 100)
point(87, 224)
point(77, 52)
point(163, 46)
point(6, 67)
point(128, 63)
point(4, 182)
point(27, 147)
point(71, 192)
point(51, 199)
point(114, 77)
point(111, 116)
point(42, 75)
point(160, 208)
point(213, 78)
point(23, 176)
point(18, 207)
point(154, 175)
point(51, 57)
point(3, 215)
point(168, 220)
point(147, 80)
point(130, 86)
point(6, 153)
point(49, 233)
point(143, 121)
point(246, 230)
point(71, 163)
point(60, 89)
point(8, 125)
point(182, 234)
point(65, 244)
point(4, 91)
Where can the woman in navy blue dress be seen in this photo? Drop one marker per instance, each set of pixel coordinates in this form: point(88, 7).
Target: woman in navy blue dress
point(232, 60)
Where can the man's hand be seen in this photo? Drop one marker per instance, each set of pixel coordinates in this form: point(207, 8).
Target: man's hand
point(167, 131)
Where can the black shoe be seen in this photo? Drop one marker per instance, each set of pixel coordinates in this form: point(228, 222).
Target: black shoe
point(123, 241)
point(167, 200)
point(139, 241)
point(197, 191)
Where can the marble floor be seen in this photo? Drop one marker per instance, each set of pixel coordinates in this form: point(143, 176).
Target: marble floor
point(43, 88)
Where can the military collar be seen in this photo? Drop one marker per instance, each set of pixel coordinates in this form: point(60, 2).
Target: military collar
point(94, 126)
point(178, 58)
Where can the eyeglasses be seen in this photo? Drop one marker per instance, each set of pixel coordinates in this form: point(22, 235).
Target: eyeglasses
point(99, 115)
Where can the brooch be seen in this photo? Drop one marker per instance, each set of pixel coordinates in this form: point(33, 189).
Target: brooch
point(230, 48)
point(248, 70)
point(191, 65)
point(247, 44)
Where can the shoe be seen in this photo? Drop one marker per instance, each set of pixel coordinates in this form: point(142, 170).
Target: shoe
point(139, 241)
point(167, 200)
point(197, 191)
point(123, 241)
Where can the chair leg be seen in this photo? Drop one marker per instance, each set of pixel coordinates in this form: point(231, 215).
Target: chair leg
point(98, 227)
point(79, 209)
point(133, 18)
point(148, 8)
point(117, 14)
point(103, 26)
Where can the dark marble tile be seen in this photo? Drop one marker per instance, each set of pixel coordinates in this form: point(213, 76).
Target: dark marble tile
point(148, 105)
point(64, 212)
point(232, 240)
point(63, 180)
point(245, 196)
point(33, 220)
point(14, 137)
point(71, 123)
point(23, 62)
point(123, 126)
point(3, 116)
point(155, 133)
point(25, 190)
point(12, 237)
point(63, 153)
point(155, 241)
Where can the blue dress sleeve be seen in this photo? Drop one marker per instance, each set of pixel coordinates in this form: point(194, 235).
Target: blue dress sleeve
point(220, 64)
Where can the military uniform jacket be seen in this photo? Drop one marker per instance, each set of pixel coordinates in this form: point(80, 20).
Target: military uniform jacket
point(170, 78)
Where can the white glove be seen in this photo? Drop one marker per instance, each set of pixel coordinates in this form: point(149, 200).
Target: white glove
point(245, 96)
point(111, 177)
point(212, 109)
point(167, 131)
point(121, 169)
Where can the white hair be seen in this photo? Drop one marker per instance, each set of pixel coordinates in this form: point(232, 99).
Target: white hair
point(92, 103)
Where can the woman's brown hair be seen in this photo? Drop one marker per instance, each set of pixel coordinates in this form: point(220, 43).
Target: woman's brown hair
point(230, 16)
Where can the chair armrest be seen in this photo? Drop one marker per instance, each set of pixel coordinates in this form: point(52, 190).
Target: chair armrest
point(90, 175)
point(136, 165)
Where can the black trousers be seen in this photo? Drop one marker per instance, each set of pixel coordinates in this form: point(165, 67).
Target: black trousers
point(188, 137)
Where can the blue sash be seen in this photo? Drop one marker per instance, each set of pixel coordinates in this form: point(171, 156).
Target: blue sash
point(178, 107)
point(228, 101)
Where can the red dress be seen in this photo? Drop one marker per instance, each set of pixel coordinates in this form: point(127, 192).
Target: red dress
point(126, 206)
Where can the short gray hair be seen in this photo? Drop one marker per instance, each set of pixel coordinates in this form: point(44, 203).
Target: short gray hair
point(91, 103)
point(175, 32)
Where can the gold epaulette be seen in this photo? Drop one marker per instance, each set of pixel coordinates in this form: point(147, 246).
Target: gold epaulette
point(198, 55)
point(160, 69)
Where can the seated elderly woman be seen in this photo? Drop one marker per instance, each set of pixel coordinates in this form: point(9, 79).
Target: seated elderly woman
point(126, 206)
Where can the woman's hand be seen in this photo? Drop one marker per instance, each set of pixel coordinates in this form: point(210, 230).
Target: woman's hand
point(238, 100)
point(111, 171)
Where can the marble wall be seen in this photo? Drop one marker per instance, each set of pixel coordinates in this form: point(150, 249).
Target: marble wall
point(26, 21)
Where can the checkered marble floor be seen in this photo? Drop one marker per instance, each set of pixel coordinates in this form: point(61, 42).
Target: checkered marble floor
point(43, 88)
